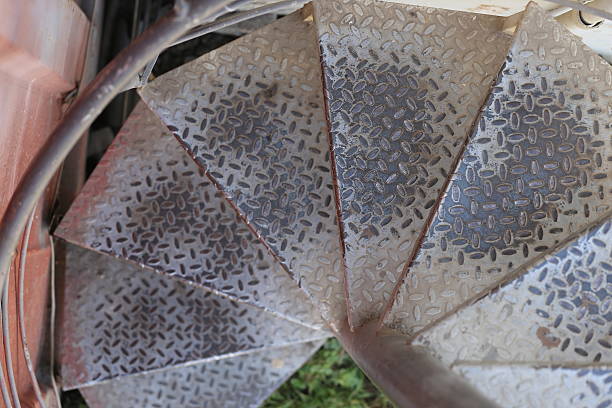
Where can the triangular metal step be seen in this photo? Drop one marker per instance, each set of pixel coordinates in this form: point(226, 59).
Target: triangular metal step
point(251, 113)
point(560, 312)
point(369, 129)
point(543, 387)
point(148, 202)
point(117, 320)
point(238, 382)
point(536, 172)
point(404, 85)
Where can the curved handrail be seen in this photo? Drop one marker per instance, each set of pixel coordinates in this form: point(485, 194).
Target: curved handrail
point(186, 15)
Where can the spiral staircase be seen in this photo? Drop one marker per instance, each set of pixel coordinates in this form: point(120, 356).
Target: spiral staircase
point(354, 163)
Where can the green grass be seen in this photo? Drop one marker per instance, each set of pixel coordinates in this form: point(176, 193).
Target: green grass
point(73, 399)
point(329, 379)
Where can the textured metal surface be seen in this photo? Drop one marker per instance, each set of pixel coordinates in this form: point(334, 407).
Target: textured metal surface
point(527, 387)
point(558, 312)
point(251, 113)
point(238, 382)
point(118, 320)
point(536, 171)
point(404, 87)
point(148, 202)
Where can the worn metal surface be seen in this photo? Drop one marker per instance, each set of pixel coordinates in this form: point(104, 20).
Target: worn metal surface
point(536, 171)
point(404, 86)
point(251, 113)
point(559, 312)
point(149, 203)
point(117, 320)
point(42, 48)
point(545, 387)
point(238, 382)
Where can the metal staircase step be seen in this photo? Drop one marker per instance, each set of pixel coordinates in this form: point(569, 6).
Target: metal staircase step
point(404, 85)
point(118, 320)
point(148, 202)
point(251, 114)
point(537, 171)
point(238, 382)
point(542, 387)
point(560, 312)
point(350, 150)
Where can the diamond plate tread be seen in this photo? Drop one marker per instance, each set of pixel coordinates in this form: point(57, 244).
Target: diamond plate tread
point(148, 202)
point(536, 171)
point(251, 113)
point(559, 312)
point(119, 321)
point(527, 387)
point(404, 85)
point(239, 382)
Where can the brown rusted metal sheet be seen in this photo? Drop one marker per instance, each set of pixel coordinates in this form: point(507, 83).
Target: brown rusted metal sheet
point(404, 86)
point(536, 172)
point(42, 48)
point(251, 114)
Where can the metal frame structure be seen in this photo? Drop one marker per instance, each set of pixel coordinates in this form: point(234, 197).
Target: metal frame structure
point(385, 359)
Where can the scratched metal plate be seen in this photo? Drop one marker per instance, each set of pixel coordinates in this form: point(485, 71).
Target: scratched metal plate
point(149, 203)
point(559, 312)
point(238, 382)
point(251, 113)
point(118, 320)
point(404, 86)
point(536, 171)
point(528, 387)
